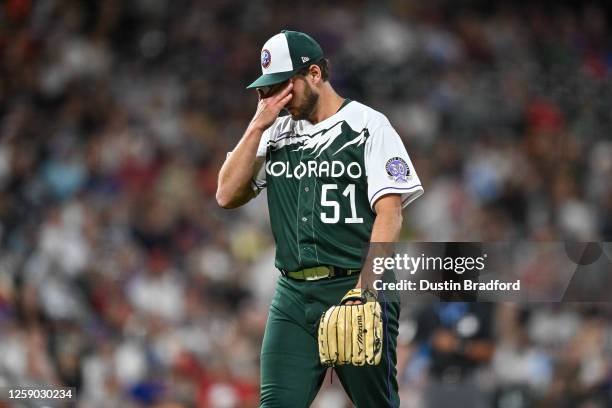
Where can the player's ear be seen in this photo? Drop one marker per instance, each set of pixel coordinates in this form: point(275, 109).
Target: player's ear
point(315, 73)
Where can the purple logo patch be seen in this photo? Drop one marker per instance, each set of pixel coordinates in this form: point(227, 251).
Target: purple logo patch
point(398, 169)
point(266, 58)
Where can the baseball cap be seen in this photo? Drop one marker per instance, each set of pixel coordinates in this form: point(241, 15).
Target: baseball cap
point(283, 55)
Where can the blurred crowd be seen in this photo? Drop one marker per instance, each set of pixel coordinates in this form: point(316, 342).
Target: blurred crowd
point(119, 274)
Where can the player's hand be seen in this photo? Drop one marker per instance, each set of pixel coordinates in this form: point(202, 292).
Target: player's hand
point(270, 105)
point(353, 302)
point(359, 287)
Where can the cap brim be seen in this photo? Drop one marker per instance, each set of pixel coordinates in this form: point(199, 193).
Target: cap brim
point(271, 79)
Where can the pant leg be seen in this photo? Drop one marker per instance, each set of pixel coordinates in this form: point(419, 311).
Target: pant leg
point(376, 386)
point(367, 386)
point(291, 374)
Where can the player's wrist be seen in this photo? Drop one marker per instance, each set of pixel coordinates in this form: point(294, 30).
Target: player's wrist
point(255, 130)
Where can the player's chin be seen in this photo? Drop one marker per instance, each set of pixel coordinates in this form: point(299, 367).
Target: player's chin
point(295, 113)
point(292, 111)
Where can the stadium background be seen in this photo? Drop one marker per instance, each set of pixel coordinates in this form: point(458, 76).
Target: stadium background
point(120, 275)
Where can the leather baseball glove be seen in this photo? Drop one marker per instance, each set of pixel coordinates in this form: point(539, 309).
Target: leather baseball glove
point(352, 334)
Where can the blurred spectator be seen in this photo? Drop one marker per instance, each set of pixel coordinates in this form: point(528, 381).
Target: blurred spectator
point(458, 338)
point(120, 275)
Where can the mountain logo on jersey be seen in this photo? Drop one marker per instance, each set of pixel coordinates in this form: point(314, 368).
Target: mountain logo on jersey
point(398, 169)
point(323, 140)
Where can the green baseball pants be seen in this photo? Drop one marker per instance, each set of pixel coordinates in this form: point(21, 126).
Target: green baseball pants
point(291, 373)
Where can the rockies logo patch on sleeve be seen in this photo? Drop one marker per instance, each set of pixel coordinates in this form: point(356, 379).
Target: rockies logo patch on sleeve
point(398, 169)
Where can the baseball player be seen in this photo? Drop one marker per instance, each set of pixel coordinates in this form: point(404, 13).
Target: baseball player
point(338, 177)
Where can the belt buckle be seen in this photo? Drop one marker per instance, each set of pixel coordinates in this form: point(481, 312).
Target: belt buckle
point(316, 276)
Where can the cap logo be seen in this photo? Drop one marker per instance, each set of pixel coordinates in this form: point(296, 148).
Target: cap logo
point(266, 58)
point(305, 59)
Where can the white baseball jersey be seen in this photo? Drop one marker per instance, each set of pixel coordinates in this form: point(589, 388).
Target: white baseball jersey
point(324, 179)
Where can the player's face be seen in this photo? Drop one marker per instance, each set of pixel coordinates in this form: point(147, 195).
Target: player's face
point(304, 100)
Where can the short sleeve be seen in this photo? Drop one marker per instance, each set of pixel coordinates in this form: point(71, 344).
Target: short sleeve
point(388, 167)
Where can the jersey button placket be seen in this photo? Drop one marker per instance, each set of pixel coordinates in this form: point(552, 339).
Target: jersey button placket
point(301, 223)
point(307, 199)
point(305, 214)
point(306, 190)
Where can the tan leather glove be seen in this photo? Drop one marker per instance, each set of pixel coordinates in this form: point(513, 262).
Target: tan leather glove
point(352, 334)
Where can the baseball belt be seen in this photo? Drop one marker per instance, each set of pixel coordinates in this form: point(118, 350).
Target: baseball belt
point(319, 272)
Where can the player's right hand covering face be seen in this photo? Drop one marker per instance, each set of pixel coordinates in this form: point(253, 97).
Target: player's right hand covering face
point(351, 334)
